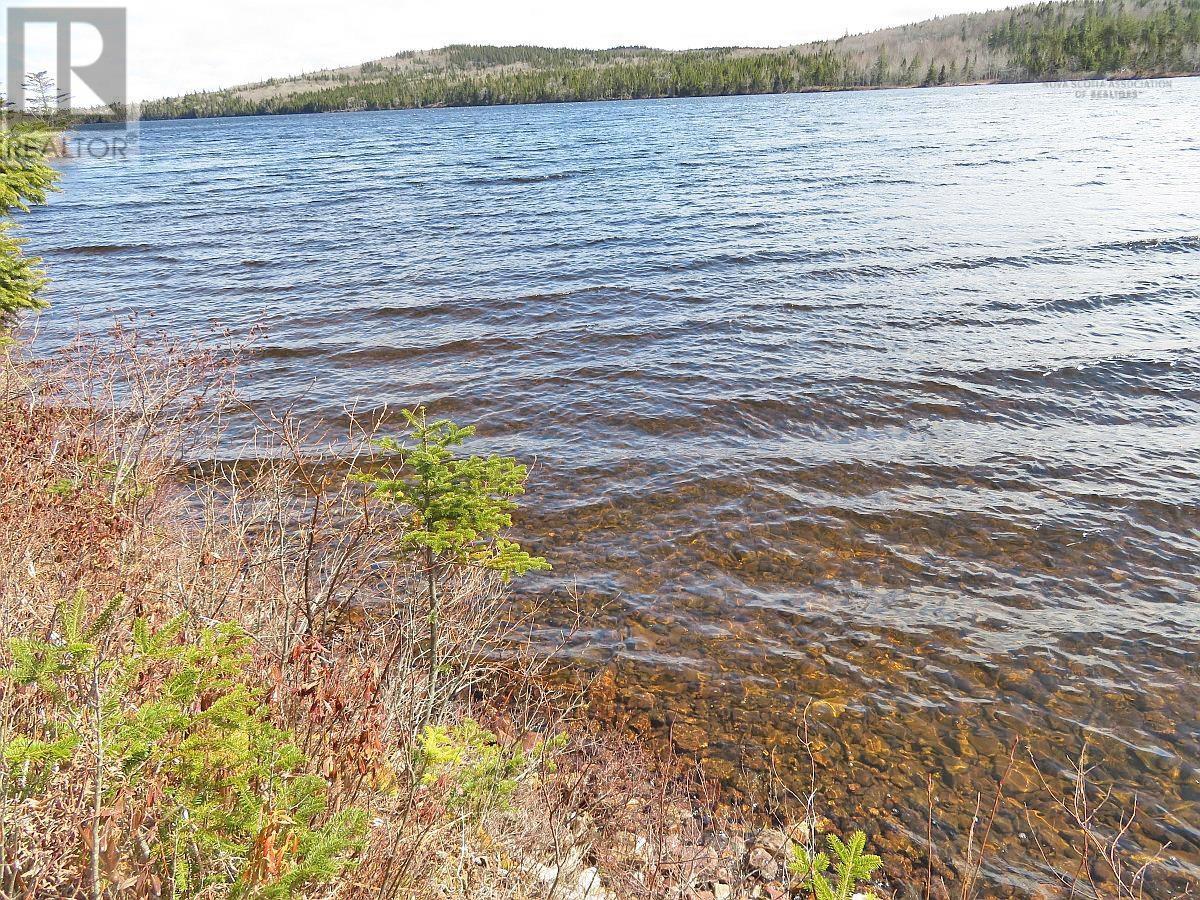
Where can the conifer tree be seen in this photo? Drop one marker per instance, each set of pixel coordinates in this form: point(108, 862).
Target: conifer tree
point(25, 180)
point(457, 509)
point(171, 730)
point(851, 864)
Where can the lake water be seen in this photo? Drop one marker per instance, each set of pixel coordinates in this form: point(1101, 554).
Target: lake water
point(886, 399)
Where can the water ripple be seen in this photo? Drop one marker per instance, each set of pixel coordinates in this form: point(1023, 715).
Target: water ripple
point(890, 398)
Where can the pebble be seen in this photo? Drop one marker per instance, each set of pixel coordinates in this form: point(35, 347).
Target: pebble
point(771, 839)
point(590, 887)
point(762, 861)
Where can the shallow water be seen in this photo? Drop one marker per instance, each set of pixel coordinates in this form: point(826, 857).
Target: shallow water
point(890, 399)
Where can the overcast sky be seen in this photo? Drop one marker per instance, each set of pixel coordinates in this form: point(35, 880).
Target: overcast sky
point(181, 45)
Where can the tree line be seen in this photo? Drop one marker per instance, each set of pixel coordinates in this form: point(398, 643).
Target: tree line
point(1042, 41)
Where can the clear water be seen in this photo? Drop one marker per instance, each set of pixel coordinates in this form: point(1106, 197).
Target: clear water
point(890, 399)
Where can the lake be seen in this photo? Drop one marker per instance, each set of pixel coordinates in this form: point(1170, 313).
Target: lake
point(888, 400)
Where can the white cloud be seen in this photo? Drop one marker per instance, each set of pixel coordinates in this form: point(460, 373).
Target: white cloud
point(180, 45)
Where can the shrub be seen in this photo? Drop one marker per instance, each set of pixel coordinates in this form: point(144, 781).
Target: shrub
point(191, 785)
point(479, 773)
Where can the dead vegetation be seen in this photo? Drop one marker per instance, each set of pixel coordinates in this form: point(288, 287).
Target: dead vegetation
point(105, 495)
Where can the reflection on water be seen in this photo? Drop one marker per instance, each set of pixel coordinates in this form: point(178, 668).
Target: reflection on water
point(890, 399)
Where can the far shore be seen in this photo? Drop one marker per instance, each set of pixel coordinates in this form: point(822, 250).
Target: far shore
point(814, 89)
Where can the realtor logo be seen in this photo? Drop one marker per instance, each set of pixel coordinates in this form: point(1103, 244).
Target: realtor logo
point(86, 85)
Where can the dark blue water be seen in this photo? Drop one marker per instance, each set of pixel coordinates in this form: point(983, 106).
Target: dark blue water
point(890, 399)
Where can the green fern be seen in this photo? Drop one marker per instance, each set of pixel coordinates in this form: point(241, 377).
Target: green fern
point(853, 868)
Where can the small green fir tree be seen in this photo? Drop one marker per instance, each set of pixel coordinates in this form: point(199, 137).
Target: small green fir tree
point(853, 867)
point(457, 509)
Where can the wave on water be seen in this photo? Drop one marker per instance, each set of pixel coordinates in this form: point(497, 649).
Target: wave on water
point(521, 179)
point(819, 394)
point(1057, 256)
point(1182, 244)
point(100, 249)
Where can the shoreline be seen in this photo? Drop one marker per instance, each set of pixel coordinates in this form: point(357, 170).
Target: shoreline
point(1075, 78)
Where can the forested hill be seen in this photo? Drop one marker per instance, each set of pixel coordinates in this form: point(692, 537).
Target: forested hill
point(1037, 42)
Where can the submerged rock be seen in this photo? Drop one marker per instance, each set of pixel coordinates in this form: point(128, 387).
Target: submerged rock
point(689, 738)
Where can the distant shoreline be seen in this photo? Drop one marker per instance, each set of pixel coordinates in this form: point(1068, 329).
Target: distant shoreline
point(1078, 78)
point(1067, 41)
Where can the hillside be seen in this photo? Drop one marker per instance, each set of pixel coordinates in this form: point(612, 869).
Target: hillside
point(1036, 42)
